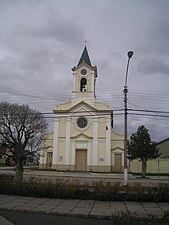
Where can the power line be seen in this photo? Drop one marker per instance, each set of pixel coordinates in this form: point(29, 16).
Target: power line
point(146, 110)
point(112, 94)
point(103, 112)
point(141, 114)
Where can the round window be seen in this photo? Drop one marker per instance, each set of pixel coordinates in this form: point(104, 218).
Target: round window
point(82, 122)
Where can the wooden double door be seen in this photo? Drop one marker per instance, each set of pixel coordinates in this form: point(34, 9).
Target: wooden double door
point(118, 162)
point(81, 160)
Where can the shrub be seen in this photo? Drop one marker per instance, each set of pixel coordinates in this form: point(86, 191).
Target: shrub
point(106, 191)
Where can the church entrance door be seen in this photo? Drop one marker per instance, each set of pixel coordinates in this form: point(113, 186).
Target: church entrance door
point(118, 162)
point(81, 160)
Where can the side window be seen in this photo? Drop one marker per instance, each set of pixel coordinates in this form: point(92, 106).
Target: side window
point(83, 85)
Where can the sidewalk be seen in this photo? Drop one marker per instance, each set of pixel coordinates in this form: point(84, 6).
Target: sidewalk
point(84, 208)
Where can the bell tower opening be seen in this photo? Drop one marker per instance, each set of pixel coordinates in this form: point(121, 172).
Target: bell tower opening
point(83, 85)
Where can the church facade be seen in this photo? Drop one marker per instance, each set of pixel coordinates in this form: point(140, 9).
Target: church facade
point(83, 137)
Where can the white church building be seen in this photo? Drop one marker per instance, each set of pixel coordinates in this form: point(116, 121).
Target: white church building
point(83, 137)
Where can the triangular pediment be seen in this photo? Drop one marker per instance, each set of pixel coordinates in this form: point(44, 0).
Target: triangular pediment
point(81, 136)
point(117, 149)
point(82, 105)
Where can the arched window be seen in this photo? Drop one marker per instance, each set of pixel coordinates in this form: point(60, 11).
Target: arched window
point(83, 84)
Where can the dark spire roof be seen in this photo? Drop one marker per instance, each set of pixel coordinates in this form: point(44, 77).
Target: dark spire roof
point(85, 57)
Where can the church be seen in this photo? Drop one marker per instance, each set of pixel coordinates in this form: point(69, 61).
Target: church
point(83, 138)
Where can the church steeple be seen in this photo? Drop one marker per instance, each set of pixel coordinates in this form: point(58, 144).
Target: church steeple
point(84, 78)
point(85, 58)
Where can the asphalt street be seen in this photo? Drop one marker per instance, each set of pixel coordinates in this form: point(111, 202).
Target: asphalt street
point(28, 218)
point(86, 177)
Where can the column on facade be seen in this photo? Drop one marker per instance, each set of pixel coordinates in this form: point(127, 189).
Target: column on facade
point(95, 141)
point(67, 147)
point(74, 85)
point(55, 143)
point(108, 140)
point(92, 85)
point(73, 153)
point(88, 154)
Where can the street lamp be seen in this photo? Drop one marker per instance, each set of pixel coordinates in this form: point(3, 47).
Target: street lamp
point(130, 54)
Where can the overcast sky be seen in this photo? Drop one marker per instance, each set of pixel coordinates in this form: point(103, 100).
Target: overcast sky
point(41, 40)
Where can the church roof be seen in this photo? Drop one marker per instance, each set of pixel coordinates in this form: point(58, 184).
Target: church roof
point(85, 58)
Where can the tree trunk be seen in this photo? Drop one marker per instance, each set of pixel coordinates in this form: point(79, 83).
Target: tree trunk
point(19, 171)
point(144, 167)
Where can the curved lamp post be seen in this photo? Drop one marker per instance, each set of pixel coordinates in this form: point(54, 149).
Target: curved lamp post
point(130, 54)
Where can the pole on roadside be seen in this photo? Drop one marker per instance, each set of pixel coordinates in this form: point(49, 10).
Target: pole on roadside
point(125, 91)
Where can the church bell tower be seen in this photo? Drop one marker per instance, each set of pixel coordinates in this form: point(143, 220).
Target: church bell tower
point(84, 78)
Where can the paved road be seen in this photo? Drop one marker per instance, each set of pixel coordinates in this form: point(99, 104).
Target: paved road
point(17, 218)
point(85, 177)
point(4, 221)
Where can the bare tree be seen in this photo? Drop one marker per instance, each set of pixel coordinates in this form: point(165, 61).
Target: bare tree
point(22, 132)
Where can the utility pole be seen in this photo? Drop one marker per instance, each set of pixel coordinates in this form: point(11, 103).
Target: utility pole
point(130, 54)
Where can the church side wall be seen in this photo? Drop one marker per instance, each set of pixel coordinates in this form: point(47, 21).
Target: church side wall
point(48, 148)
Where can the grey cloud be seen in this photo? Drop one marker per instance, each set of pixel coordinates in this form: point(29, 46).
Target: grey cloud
point(153, 66)
point(40, 52)
point(62, 30)
point(152, 39)
point(53, 27)
point(158, 36)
